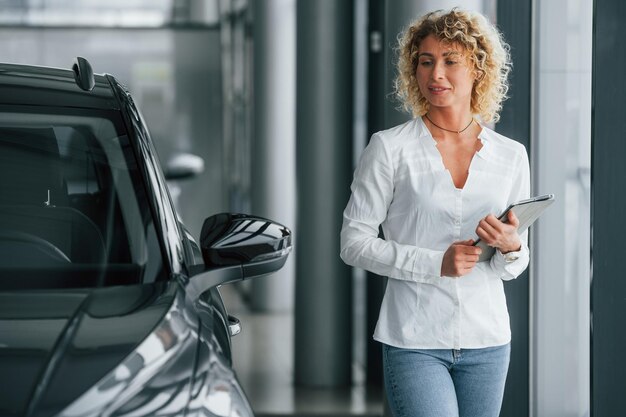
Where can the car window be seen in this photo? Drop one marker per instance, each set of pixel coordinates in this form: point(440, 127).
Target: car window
point(73, 208)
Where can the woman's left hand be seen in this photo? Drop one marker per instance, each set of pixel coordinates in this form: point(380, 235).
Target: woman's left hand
point(499, 234)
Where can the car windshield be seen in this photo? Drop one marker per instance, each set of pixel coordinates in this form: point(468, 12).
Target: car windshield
point(73, 209)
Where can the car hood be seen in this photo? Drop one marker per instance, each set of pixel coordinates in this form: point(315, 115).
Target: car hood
point(55, 345)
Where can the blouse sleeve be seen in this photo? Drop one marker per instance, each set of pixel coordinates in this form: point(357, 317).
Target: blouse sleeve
point(372, 193)
point(508, 270)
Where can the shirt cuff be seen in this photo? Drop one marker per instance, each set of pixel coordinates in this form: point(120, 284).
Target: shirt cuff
point(512, 264)
point(428, 263)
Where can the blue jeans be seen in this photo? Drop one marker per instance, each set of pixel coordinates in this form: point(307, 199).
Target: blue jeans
point(444, 382)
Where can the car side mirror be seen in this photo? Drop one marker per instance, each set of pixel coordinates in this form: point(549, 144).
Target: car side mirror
point(183, 166)
point(259, 245)
point(240, 246)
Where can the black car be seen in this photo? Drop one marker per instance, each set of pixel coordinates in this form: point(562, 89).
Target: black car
point(108, 307)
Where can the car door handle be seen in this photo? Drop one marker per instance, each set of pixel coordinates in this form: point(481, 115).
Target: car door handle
point(234, 325)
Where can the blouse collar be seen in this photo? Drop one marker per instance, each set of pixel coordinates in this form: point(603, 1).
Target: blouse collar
point(484, 136)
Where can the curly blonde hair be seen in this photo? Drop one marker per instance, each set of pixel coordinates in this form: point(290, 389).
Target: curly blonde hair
point(484, 47)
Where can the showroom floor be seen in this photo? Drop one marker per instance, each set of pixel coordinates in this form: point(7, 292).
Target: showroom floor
point(263, 359)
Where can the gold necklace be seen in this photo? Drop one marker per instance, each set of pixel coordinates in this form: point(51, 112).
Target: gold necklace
point(448, 130)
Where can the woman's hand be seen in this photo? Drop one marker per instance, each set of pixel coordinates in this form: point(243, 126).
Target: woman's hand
point(459, 259)
point(499, 234)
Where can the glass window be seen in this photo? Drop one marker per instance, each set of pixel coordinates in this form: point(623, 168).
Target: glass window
point(73, 209)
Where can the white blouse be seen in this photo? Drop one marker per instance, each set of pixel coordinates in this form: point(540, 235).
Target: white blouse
point(402, 184)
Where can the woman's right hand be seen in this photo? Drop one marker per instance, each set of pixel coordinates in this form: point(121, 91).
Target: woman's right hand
point(459, 259)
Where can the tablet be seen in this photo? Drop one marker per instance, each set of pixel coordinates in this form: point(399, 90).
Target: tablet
point(527, 211)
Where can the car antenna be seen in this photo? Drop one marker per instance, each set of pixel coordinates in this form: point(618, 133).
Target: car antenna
point(83, 74)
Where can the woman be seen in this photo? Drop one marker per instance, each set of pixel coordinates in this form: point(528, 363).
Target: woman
point(434, 185)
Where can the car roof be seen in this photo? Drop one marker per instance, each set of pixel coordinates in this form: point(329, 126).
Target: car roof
point(46, 86)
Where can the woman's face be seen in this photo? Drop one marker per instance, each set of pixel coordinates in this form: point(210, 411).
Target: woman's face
point(444, 74)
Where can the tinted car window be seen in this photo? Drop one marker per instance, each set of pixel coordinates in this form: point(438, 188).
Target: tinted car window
point(73, 209)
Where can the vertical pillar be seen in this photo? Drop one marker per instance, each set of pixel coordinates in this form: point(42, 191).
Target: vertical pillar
point(608, 303)
point(273, 180)
point(196, 126)
point(515, 21)
point(379, 44)
point(560, 164)
point(323, 310)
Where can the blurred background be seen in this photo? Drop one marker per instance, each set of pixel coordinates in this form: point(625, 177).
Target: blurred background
point(279, 97)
